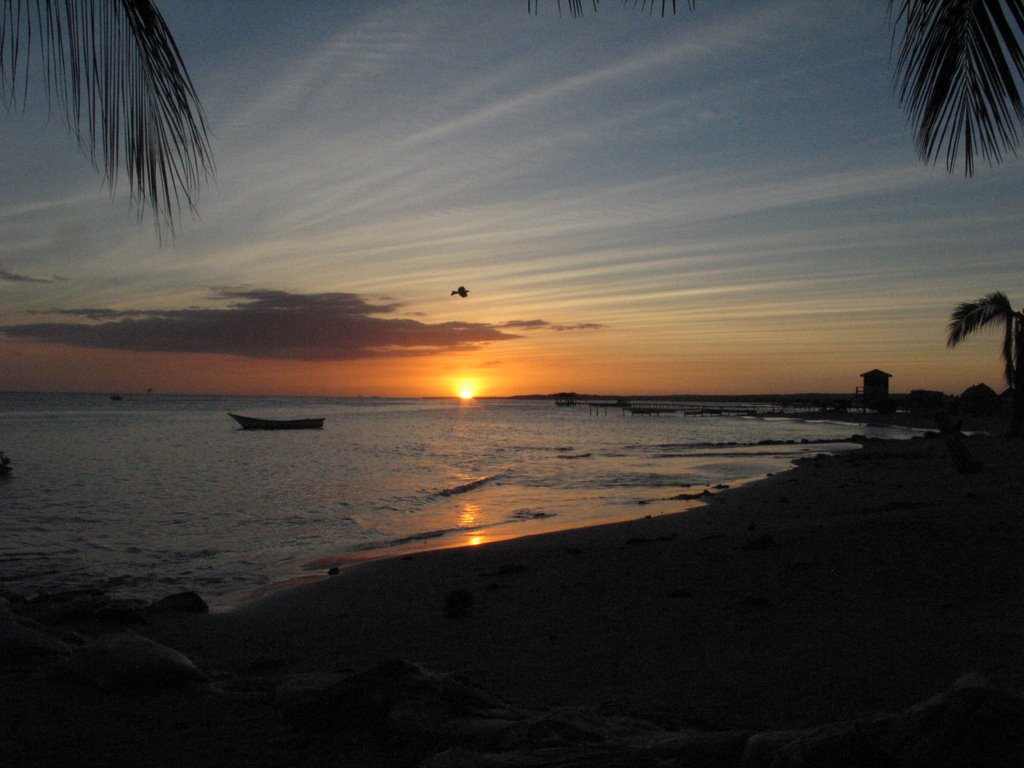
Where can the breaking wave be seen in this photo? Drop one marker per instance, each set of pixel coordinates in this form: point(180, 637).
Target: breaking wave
point(467, 487)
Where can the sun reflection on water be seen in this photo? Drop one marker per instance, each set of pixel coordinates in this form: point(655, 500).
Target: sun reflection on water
point(469, 515)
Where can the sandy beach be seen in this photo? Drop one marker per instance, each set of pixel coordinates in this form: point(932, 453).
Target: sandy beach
point(847, 590)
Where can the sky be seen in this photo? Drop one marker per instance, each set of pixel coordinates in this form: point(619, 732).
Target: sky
point(723, 201)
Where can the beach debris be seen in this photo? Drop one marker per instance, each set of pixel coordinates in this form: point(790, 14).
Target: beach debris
point(184, 602)
point(458, 603)
point(461, 291)
point(128, 661)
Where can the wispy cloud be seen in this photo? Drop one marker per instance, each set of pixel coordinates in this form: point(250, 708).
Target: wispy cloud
point(264, 324)
point(15, 277)
point(537, 325)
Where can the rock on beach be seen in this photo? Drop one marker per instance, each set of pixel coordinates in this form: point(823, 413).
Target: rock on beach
point(131, 662)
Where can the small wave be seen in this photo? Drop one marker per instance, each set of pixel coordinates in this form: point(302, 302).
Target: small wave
point(679, 449)
point(682, 446)
point(519, 516)
point(651, 480)
point(787, 451)
point(529, 514)
point(410, 539)
point(466, 487)
point(575, 455)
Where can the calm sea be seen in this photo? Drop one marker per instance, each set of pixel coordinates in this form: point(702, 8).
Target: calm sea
point(153, 494)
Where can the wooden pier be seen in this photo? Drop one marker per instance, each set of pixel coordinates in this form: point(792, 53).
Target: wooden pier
point(658, 407)
point(754, 406)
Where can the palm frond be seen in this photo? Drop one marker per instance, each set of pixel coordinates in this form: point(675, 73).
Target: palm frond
point(114, 69)
point(970, 316)
point(958, 72)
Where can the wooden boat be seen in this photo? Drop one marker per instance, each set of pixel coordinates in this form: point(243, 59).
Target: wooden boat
point(248, 422)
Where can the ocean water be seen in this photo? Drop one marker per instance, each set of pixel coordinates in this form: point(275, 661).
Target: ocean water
point(153, 494)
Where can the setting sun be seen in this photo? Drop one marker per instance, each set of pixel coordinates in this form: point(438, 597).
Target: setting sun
point(466, 388)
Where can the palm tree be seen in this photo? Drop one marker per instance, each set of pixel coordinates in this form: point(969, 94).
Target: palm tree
point(114, 70)
point(957, 69)
point(957, 74)
point(995, 309)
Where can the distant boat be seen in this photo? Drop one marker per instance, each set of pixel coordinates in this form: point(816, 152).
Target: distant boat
point(248, 422)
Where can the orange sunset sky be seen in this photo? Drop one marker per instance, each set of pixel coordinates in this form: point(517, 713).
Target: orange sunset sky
point(722, 201)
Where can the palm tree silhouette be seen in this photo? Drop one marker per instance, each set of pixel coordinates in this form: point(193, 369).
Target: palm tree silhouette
point(995, 309)
point(957, 72)
point(115, 70)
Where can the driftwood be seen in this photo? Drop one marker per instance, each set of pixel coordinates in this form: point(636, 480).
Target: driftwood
point(963, 459)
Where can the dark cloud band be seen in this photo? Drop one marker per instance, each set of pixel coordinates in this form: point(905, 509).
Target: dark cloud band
point(264, 324)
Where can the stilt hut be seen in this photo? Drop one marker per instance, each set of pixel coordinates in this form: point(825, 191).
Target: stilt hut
point(876, 387)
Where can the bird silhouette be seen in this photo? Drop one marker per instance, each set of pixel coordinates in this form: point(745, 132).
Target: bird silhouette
point(461, 291)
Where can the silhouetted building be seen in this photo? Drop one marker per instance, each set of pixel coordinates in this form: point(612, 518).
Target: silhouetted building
point(980, 398)
point(876, 387)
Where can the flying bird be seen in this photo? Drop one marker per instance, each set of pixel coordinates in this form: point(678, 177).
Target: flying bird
point(461, 291)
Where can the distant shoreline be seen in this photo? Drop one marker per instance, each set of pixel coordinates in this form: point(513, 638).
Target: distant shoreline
point(777, 397)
